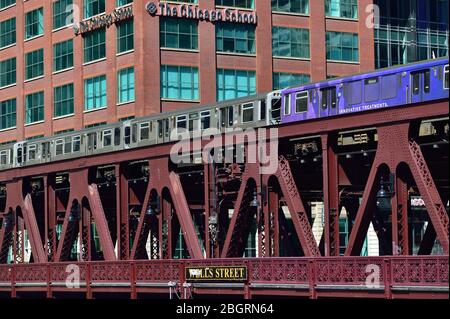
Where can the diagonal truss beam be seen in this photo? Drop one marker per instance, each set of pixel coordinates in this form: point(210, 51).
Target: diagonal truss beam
point(395, 148)
point(101, 223)
point(298, 212)
point(236, 238)
point(34, 236)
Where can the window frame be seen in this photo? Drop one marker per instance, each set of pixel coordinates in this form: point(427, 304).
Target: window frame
point(304, 97)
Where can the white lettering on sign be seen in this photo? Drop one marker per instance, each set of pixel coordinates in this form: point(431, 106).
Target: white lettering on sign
point(187, 11)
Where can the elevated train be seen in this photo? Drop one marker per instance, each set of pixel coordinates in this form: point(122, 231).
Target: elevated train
point(384, 88)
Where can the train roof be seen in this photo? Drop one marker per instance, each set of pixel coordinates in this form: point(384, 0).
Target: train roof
point(363, 75)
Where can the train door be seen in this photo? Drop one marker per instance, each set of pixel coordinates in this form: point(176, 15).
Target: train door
point(20, 151)
point(328, 104)
point(420, 85)
point(163, 131)
point(226, 117)
point(91, 144)
point(46, 152)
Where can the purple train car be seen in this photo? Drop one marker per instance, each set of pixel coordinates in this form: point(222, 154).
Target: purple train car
point(391, 87)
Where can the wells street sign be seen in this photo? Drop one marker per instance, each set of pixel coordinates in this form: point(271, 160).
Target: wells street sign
point(216, 273)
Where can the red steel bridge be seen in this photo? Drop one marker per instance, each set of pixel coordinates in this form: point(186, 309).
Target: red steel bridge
point(131, 222)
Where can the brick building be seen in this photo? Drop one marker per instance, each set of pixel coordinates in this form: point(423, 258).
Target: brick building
point(70, 64)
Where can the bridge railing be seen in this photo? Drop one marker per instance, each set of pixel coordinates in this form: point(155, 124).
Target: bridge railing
point(418, 271)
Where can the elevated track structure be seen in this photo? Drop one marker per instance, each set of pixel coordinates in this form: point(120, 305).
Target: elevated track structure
point(131, 221)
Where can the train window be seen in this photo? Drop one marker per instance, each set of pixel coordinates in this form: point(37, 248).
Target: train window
point(160, 129)
point(262, 110)
point(181, 123)
point(389, 86)
point(205, 119)
point(426, 81)
point(371, 89)
point(76, 143)
point(446, 79)
point(301, 102)
point(127, 135)
point(67, 145)
point(32, 152)
point(45, 149)
point(353, 92)
point(333, 97)
point(59, 148)
point(144, 131)
point(276, 108)
point(247, 112)
point(415, 83)
point(193, 117)
point(134, 133)
point(230, 116)
point(4, 157)
point(117, 136)
point(287, 105)
point(107, 138)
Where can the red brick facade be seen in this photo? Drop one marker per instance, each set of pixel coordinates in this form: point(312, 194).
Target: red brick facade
point(147, 58)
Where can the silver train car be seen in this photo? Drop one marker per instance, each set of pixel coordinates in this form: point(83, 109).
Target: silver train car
point(253, 111)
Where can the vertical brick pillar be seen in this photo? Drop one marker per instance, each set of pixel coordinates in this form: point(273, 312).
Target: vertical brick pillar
point(111, 76)
point(207, 56)
point(20, 71)
point(78, 60)
point(317, 40)
point(366, 37)
point(48, 67)
point(264, 61)
point(147, 61)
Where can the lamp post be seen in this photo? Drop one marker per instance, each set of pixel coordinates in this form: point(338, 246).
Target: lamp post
point(384, 207)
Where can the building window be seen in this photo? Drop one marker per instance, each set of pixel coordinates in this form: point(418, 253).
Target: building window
point(342, 46)
point(125, 36)
point(284, 80)
point(7, 32)
point(93, 8)
point(237, 38)
point(342, 8)
point(34, 64)
point(7, 72)
point(34, 23)
point(7, 114)
point(95, 45)
point(232, 84)
point(291, 6)
point(290, 42)
point(62, 12)
point(95, 93)
point(125, 83)
point(178, 33)
point(179, 82)
point(63, 55)
point(6, 3)
point(123, 2)
point(63, 100)
point(34, 108)
point(249, 4)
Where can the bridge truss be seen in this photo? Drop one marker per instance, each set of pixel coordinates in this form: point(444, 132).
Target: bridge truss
point(132, 221)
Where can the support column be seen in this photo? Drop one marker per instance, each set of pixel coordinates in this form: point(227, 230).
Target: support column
point(206, 191)
point(400, 241)
point(122, 212)
point(330, 196)
point(274, 223)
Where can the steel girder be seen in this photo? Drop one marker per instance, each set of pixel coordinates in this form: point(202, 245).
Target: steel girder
point(394, 148)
